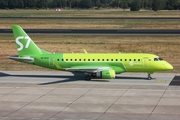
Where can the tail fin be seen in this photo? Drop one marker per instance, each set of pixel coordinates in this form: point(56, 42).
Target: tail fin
point(25, 45)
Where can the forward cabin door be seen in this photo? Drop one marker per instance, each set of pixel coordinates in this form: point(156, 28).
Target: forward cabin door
point(51, 63)
point(145, 61)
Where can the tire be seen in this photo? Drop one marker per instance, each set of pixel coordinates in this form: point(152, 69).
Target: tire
point(88, 78)
point(93, 75)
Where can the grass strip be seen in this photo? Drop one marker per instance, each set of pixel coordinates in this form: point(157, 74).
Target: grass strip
point(87, 13)
point(164, 46)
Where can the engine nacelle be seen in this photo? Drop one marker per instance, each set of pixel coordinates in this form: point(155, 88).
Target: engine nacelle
point(106, 74)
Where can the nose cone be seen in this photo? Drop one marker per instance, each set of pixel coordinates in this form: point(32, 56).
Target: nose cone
point(169, 67)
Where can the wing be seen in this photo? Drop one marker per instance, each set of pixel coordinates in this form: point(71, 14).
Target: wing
point(88, 70)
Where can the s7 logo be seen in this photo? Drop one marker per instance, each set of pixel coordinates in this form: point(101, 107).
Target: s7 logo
point(26, 40)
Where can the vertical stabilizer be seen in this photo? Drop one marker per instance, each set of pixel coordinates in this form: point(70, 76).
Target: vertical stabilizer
point(24, 44)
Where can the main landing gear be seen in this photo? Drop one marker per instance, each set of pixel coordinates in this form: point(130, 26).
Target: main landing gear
point(90, 76)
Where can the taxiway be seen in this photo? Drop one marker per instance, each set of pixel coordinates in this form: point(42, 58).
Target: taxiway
point(58, 95)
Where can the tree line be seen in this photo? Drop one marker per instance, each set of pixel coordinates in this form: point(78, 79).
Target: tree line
point(134, 5)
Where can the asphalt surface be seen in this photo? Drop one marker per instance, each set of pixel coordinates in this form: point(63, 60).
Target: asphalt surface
point(95, 18)
point(55, 95)
point(100, 31)
point(175, 81)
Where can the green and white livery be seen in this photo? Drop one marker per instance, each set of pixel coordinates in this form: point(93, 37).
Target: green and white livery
point(104, 66)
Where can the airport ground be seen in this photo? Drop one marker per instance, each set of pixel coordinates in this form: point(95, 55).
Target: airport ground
point(90, 24)
point(58, 95)
point(164, 46)
point(34, 93)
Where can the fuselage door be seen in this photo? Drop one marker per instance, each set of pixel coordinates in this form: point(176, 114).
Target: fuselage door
point(51, 63)
point(145, 60)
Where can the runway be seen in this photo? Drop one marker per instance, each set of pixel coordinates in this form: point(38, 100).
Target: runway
point(55, 95)
point(98, 31)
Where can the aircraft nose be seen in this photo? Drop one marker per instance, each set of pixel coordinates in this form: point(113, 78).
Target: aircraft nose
point(169, 67)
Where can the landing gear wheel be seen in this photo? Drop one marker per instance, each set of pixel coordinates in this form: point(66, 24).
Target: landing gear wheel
point(93, 75)
point(149, 77)
point(88, 78)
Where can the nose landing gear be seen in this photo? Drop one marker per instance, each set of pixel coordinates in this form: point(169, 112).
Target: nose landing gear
point(149, 76)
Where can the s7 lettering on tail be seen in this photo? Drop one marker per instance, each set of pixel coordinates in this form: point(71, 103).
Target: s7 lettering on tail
point(21, 44)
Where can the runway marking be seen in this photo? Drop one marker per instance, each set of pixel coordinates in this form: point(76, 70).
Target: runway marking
point(159, 81)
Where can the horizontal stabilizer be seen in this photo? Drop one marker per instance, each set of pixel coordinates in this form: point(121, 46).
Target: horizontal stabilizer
point(25, 59)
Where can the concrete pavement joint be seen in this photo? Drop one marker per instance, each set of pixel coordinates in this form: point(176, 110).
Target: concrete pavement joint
point(30, 102)
point(73, 101)
point(157, 103)
point(9, 92)
point(113, 103)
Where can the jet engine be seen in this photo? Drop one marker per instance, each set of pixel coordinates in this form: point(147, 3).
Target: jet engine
point(106, 74)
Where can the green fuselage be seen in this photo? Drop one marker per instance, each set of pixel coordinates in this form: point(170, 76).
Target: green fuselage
point(118, 62)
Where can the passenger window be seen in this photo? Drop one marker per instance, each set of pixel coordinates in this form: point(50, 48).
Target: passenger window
point(79, 59)
point(84, 59)
point(134, 59)
point(129, 59)
point(66, 59)
point(107, 59)
point(116, 59)
point(111, 59)
point(120, 59)
point(139, 60)
point(71, 59)
point(125, 60)
point(98, 59)
point(62, 59)
point(57, 59)
point(93, 59)
point(88, 59)
point(75, 59)
point(102, 59)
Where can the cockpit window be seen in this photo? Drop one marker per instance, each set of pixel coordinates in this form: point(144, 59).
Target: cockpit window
point(158, 59)
point(155, 59)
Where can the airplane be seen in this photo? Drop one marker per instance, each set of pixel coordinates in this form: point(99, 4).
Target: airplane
point(95, 65)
